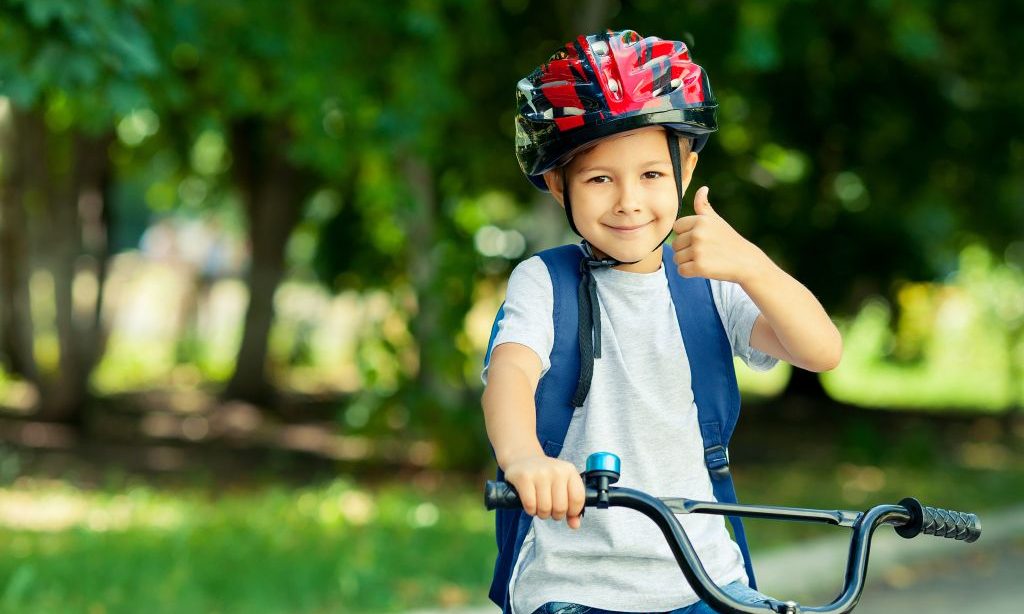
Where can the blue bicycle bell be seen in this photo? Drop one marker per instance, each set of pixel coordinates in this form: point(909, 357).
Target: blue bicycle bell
point(603, 470)
point(605, 462)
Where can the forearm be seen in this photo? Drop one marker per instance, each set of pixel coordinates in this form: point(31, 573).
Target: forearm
point(800, 323)
point(510, 414)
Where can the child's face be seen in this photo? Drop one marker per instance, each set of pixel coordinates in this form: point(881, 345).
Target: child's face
point(623, 195)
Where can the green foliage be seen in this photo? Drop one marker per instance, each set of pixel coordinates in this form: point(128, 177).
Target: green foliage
point(863, 146)
point(89, 59)
point(955, 345)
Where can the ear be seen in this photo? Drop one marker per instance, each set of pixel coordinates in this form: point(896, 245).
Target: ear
point(553, 179)
point(689, 164)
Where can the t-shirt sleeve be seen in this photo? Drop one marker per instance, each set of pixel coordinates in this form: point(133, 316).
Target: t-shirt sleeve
point(527, 319)
point(738, 312)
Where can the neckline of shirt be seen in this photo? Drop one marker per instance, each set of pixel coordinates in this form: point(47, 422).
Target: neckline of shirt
point(629, 279)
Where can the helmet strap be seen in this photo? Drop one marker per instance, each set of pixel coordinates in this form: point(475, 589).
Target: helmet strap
point(677, 171)
point(567, 204)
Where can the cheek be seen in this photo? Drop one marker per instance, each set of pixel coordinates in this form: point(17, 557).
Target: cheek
point(589, 200)
point(666, 200)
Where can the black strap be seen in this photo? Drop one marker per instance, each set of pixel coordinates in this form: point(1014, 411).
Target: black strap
point(589, 321)
point(565, 199)
point(677, 167)
point(588, 305)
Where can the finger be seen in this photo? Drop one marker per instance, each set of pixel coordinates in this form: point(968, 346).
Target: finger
point(577, 499)
point(559, 500)
point(701, 204)
point(683, 256)
point(681, 241)
point(689, 269)
point(527, 497)
point(543, 500)
point(685, 223)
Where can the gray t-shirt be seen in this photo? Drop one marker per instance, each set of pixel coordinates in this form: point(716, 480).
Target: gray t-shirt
point(641, 408)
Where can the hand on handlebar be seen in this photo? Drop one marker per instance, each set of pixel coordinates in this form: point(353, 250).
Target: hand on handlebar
point(548, 488)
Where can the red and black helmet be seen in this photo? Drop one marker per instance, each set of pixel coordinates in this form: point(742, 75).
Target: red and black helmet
point(602, 84)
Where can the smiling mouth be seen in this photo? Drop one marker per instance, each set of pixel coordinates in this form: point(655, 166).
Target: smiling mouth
point(628, 228)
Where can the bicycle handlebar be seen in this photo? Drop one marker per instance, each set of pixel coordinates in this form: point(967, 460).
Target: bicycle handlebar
point(939, 522)
point(909, 519)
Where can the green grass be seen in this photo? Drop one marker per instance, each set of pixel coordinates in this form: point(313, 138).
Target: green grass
point(344, 547)
point(334, 548)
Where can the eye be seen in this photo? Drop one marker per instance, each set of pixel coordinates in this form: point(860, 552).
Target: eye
point(653, 175)
point(599, 179)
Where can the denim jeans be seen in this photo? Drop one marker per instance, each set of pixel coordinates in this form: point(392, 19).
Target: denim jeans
point(737, 590)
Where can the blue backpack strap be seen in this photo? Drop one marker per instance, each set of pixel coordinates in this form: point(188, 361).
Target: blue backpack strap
point(713, 379)
point(494, 333)
point(553, 400)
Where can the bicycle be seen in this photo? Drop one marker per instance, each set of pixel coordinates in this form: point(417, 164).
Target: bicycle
point(909, 519)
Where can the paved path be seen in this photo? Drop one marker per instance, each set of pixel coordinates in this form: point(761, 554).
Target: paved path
point(988, 582)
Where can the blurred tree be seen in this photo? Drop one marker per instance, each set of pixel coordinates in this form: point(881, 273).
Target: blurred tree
point(267, 78)
point(880, 138)
point(70, 70)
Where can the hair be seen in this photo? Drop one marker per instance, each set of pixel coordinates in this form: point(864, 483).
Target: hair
point(685, 146)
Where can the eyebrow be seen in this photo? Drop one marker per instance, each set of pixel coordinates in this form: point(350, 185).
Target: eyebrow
point(588, 169)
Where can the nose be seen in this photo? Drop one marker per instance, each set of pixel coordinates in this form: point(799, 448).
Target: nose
point(629, 198)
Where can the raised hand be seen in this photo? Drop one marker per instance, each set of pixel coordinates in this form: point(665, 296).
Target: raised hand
point(707, 246)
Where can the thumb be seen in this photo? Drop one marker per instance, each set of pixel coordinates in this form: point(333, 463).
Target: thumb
point(701, 205)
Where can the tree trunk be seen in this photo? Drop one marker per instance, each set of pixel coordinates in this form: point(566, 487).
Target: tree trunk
point(16, 333)
point(422, 266)
point(273, 190)
point(436, 398)
point(59, 200)
point(79, 172)
point(93, 182)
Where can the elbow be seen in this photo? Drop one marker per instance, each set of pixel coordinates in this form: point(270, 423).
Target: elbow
point(832, 355)
point(826, 358)
point(829, 365)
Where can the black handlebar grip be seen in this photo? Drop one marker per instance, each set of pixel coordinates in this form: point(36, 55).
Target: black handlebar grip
point(942, 523)
point(500, 495)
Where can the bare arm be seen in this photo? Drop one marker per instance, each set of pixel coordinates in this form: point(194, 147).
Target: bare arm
point(793, 326)
point(548, 487)
point(509, 410)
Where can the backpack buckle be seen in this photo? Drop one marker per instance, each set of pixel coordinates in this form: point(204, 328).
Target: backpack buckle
point(716, 458)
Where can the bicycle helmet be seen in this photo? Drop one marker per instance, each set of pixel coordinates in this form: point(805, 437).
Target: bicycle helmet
point(602, 84)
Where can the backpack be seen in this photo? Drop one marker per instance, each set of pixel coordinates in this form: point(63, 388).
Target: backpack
point(713, 379)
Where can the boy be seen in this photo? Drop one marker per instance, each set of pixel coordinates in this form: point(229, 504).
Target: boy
point(611, 126)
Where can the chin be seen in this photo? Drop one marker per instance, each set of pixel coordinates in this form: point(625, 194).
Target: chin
point(627, 253)
point(631, 250)
point(632, 255)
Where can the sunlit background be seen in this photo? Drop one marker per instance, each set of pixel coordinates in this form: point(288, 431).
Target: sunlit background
point(250, 253)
